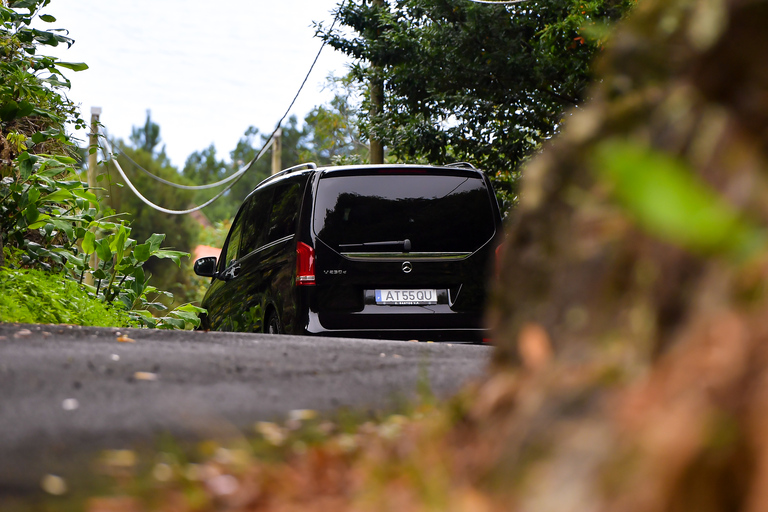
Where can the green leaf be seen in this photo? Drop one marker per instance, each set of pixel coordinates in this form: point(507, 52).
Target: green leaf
point(88, 196)
point(47, 18)
point(23, 4)
point(172, 255)
point(41, 221)
point(191, 308)
point(33, 195)
point(58, 196)
point(187, 316)
point(100, 274)
point(31, 213)
point(26, 168)
point(25, 108)
point(142, 252)
point(668, 200)
point(66, 227)
point(168, 322)
point(119, 248)
point(155, 240)
point(65, 159)
point(8, 111)
point(103, 250)
point(74, 66)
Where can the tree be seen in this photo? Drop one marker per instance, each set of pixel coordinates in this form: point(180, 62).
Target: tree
point(147, 137)
point(202, 167)
point(468, 81)
point(333, 134)
point(329, 135)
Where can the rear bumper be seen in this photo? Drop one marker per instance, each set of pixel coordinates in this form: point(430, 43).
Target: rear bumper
point(400, 323)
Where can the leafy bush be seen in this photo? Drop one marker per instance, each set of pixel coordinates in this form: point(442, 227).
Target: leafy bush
point(36, 296)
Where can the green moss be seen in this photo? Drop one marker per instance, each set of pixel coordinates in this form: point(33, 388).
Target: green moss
point(34, 296)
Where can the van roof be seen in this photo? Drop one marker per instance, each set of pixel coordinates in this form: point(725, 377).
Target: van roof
point(459, 167)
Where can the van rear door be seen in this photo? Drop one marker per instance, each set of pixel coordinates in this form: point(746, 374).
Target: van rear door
point(402, 241)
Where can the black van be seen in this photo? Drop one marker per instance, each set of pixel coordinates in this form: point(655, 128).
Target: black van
point(389, 251)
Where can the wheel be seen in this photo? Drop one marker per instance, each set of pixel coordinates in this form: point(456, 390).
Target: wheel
point(273, 324)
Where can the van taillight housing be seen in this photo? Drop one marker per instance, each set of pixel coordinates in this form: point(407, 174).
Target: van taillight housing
point(305, 264)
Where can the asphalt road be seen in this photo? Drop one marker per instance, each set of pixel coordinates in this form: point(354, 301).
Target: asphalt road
point(68, 392)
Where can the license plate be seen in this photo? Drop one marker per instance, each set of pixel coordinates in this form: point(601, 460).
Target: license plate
point(406, 297)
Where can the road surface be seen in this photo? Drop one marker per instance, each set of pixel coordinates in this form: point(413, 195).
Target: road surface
point(68, 392)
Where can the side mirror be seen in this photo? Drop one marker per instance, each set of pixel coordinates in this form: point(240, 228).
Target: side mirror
point(206, 267)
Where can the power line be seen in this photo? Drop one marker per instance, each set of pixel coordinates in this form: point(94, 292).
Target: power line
point(177, 185)
point(159, 208)
point(235, 177)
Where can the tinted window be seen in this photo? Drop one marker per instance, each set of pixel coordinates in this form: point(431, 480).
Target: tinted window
point(232, 245)
point(257, 215)
point(285, 211)
point(437, 213)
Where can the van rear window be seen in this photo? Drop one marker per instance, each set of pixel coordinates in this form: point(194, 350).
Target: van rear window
point(437, 213)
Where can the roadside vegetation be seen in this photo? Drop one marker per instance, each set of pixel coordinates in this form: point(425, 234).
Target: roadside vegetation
point(39, 297)
point(49, 219)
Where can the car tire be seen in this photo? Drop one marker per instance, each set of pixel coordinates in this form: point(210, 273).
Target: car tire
point(273, 324)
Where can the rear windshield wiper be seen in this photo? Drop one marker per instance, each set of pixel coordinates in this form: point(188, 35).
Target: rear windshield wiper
point(405, 244)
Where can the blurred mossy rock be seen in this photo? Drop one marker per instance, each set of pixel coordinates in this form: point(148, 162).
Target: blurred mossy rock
point(630, 310)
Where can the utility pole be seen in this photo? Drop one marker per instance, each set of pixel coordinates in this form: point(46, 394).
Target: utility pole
point(93, 162)
point(376, 90)
point(277, 151)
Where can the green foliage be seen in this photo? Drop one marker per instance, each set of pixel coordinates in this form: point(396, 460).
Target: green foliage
point(32, 109)
point(332, 131)
point(48, 217)
point(666, 198)
point(472, 82)
point(215, 235)
point(147, 137)
point(180, 230)
point(35, 296)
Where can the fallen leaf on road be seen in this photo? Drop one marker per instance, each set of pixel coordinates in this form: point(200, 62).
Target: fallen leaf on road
point(145, 376)
point(23, 333)
point(70, 404)
point(125, 339)
point(302, 414)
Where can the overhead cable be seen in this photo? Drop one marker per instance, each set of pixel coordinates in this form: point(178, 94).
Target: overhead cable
point(239, 174)
point(186, 187)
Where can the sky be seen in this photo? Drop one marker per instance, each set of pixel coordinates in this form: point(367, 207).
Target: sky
point(206, 70)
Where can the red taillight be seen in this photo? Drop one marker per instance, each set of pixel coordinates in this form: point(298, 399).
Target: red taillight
point(305, 264)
